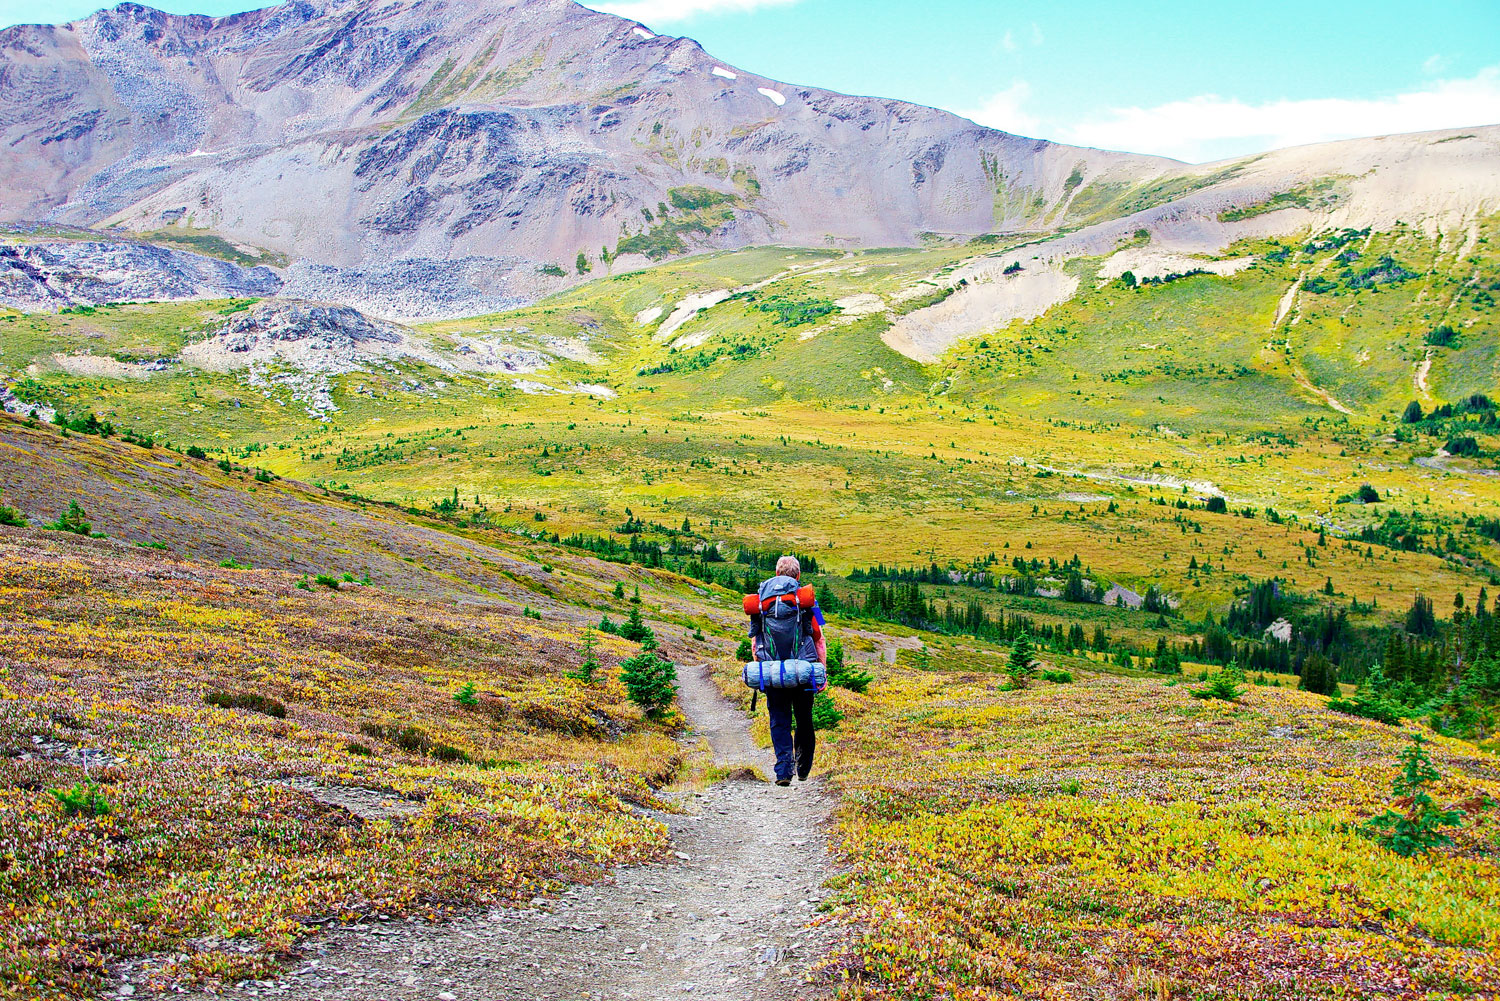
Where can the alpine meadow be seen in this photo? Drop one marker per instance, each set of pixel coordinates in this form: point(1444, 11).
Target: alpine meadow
point(402, 398)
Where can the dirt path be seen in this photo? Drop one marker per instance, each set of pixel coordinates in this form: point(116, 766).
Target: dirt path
point(726, 917)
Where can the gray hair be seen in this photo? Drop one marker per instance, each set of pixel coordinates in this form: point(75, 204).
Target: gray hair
point(788, 566)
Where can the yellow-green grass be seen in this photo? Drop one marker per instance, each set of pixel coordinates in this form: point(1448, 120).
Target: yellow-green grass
point(1119, 394)
point(224, 826)
point(1118, 838)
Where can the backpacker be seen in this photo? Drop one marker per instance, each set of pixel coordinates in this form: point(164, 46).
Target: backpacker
point(785, 611)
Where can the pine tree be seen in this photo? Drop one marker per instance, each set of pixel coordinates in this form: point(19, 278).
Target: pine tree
point(825, 713)
point(72, 520)
point(841, 674)
point(1419, 828)
point(590, 663)
point(10, 516)
point(1319, 676)
point(651, 682)
point(634, 628)
point(1021, 665)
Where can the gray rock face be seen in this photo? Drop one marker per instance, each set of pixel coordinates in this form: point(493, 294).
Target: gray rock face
point(325, 328)
point(43, 276)
point(371, 142)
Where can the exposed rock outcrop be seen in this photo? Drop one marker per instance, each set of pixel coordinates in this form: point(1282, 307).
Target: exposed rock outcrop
point(56, 274)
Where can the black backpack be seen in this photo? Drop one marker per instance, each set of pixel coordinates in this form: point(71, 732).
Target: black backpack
point(785, 628)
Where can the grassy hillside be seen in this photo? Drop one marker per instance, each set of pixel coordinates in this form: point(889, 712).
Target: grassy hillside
point(202, 765)
point(1112, 838)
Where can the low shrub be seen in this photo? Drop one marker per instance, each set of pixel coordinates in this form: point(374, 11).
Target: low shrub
point(72, 520)
point(246, 700)
point(9, 516)
point(83, 800)
point(825, 712)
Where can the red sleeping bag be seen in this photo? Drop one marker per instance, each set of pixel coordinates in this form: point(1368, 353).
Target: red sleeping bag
point(803, 599)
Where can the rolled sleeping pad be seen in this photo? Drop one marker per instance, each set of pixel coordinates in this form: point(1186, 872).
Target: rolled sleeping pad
point(762, 674)
point(804, 599)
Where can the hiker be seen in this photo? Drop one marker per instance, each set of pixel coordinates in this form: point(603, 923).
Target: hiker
point(797, 634)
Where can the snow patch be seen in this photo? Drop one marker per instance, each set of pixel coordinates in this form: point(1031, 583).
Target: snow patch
point(640, 32)
point(776, 96)
point(988, 303)
point(533, 388)
point(1280, 630)
point(852, 307)
point(646, 316)
point(688, 308)
point(1149, 262)
point(595, 389)
point(727, 74)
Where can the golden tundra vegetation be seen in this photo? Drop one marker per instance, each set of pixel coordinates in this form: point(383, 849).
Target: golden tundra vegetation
point(221, 616)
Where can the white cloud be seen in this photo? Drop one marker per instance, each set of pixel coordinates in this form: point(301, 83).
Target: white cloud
point(1008, 41)
point(1003, 111)
point(1209, 127)
point(648, 11)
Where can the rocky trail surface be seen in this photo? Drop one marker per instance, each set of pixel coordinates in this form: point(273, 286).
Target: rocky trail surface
point(726, 916)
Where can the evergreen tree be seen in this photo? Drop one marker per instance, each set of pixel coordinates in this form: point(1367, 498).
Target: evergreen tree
point(590, 663)
point(651, 682)
point(745, 652)
point(1395, 657)
point(1420, 618)
point(1021, 665)
point(10, 516)
point(1319, 676)
point(1418, 829)
point(841, 674)
point(825, 712)
point(1166, 660)
point(634, 628)
point(72, 520)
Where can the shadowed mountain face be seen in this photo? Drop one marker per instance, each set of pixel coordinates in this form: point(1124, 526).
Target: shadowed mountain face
point(372, 143)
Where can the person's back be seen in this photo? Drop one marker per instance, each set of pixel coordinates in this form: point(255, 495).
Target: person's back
point(783, 630)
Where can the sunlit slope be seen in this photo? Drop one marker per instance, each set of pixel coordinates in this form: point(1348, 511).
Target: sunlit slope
point(754, 394)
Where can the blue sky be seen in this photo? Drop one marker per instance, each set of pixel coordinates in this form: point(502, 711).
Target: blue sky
point(1196, 81)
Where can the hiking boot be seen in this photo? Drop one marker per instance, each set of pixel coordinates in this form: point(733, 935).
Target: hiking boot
point(783, 782)
point(801, 776)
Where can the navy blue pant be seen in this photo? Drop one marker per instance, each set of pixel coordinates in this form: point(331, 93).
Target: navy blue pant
point(789, 708)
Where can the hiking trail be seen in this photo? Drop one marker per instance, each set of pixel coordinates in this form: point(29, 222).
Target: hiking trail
point(724, 916)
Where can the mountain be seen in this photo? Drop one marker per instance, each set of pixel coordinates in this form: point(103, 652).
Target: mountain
point(432, 156)
point(437, 158)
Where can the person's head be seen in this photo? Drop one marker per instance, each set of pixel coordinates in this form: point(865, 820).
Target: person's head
point(788, 566)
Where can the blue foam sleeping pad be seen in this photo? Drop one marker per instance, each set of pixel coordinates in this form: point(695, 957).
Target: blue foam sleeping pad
point(763, 674)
